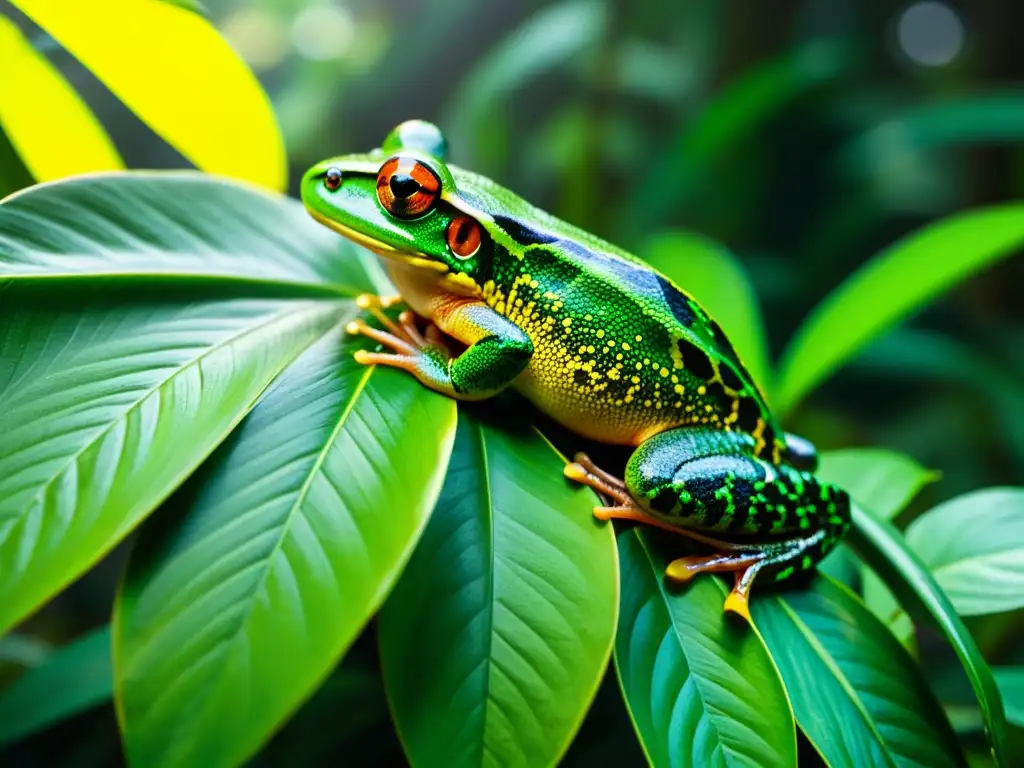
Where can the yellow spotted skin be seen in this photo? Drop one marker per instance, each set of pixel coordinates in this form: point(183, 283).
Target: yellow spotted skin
point(620, 353)
point(595, 338)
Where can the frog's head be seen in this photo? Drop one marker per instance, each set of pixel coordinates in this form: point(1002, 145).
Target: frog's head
point(405, 203)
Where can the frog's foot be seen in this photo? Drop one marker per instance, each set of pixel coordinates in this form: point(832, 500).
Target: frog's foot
point(584, 471)
point(745, 565)
point(424, 355)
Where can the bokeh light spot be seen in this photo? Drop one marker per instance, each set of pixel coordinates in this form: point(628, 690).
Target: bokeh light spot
point(930, 33)
point(258, 36)
point(323, 32)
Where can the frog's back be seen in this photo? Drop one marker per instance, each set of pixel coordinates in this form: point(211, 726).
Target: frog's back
point(621, 353)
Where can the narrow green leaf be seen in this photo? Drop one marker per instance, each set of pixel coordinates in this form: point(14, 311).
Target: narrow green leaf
point(712, 275)
point(883, 603)
point(883, 548)
point(109, 404)
point(878, 479)
point(546, 40)
point(701, 688)
point(1011, 684)
point(244, 591)
point(24, 650)
point(860, 698)
point(984, 118)
point(174, 227)
point(974, 546)
point(73, 679)
point(500, 630)
point(736, 114)
point(895, 283)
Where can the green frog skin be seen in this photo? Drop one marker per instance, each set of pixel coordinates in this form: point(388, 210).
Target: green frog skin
point(592, 336)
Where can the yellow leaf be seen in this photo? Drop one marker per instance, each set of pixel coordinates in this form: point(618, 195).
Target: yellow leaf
point(172, 69)
point(49, 126)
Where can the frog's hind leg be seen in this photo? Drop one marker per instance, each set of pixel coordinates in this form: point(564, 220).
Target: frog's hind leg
point(584, 471)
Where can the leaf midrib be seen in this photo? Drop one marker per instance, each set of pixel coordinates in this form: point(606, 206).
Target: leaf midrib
point(245, 617)
point(698, 681)
point(839, 676)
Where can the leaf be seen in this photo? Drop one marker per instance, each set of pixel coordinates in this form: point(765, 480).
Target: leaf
point(701, 689)
point(245, 590)
point(978, 119)
point(184, 228)
point(500, 630)
point(893, 284)
point(73, 679)
point(883, 548)
point(53, 130)
point(1011, 685)
point(24, 650)
point(736, 114)
point(860, 698)
point(547, 39)
point(878, 479)
point(172, 68)
point(974, 547)
point(712, 275)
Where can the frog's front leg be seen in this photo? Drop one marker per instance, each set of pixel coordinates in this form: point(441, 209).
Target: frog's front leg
point(497, 352)
point(708, 486)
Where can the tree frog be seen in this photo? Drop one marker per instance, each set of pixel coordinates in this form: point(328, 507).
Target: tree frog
point(592, 336)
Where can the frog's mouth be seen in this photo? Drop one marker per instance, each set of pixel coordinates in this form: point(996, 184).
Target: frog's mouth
point(412, 258)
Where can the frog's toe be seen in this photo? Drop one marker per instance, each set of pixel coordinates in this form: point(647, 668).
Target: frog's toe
point(739, 604)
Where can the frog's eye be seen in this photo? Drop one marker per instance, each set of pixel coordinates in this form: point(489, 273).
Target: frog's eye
point(406, 187)
point(464, 237)
point(332, 179)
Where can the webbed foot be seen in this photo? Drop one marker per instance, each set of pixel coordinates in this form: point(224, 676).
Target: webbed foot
point(425, 355)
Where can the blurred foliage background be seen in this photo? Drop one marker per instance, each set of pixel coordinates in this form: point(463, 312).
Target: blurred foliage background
point(805, 135)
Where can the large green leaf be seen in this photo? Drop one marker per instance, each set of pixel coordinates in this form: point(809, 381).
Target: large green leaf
point(1011, 685)
point(885, 550)
point(892, 285)
point(713, 276)
point(701, 688)
point(878, 479)
point(860, 698)
point(246, 588)
point(207, 104)
point(499, 632)
point(109, 403)
point(73, 679)
point(885, 482)
point(974, 546)
point(182, 228)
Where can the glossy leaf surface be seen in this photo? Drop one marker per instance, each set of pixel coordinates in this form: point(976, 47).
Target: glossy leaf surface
point(701, 688)
point(878, 479)
point(98, 394)
point(716, 279)
point(884, 549)
point(175, 227)
point(52, 129)
point(860, 698)
point(974, 546)
point(245, 589)
point(497, 636)
point(896, 282)
point(207, 104)
point(73, 679)
point(1011, 684)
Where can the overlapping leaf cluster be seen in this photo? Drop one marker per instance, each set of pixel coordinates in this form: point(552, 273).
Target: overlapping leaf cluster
point(174, 356)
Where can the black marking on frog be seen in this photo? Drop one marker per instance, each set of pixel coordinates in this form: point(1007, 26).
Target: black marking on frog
point(522, 232)
point(678, 304)
point(695, 360)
